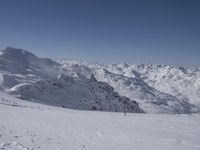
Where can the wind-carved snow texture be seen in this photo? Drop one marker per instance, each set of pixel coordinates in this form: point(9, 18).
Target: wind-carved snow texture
point(44, 81)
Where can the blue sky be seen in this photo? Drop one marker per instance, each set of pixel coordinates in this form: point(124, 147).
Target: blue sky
point(109, 31)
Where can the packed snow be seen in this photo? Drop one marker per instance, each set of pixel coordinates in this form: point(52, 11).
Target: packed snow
point(25, 125)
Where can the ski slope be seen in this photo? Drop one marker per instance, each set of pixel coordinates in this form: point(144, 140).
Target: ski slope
point(26, 125)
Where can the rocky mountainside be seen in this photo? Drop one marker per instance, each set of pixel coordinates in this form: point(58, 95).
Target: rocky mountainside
point(92, 86)
point(45, 81)
point(157, 88)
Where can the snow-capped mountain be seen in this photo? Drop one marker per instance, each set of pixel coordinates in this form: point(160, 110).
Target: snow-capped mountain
point(92, 86)
point(157, 88)
point(45, 81)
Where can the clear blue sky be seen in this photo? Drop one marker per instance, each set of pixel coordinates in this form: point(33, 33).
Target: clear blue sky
point(110, 31)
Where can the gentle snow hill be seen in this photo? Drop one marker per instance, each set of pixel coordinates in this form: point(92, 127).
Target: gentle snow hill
point(43, 80)
point(25, 125)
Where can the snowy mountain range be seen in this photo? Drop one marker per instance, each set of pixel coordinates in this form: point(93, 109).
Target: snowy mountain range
point(45, 81)
point(92, 86)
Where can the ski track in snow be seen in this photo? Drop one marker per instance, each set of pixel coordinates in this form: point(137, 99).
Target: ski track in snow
point(45, 127)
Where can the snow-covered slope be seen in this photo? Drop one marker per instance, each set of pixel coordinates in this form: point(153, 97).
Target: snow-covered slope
point(19, 61)
point(25, 125)
point(92, 86)
point(135, 82)
point(181, 82)
point(184, 83)
point(45, 81)
point(31, 87)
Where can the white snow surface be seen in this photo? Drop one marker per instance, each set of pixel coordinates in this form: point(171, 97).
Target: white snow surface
point(25, 125)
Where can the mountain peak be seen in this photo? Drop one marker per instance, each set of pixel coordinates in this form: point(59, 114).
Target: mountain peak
point(11, 51)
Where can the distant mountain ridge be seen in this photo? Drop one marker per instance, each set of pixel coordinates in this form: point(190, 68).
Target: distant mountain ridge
point(157, 88)
point(92, 86)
